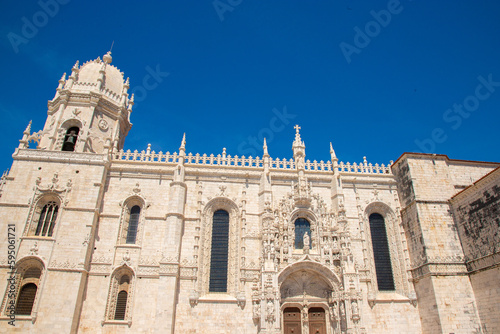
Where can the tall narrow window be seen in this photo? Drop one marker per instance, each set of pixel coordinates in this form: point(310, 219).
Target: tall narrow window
point(120, 295)
point(133, 223)
point(121, 305)
point(383, 266)
point(26, 299)
point(28, 290)
point(70, 139)
point(302, 226)
point(121, 300)
point(47, 220)
point(219, 258)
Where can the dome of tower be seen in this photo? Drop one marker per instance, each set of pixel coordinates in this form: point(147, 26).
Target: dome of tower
point(89, 74)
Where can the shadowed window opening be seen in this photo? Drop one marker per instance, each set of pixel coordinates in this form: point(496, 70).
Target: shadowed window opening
point(47, 220)
point(26, 299)
point(301, 226)
point(121, 305)
point(383, 267)
point(133, 223)
point(219, 257)
point(70, 139)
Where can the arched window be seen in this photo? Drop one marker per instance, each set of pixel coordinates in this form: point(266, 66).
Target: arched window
point(70, 139)
point(121, 300)
point(47, 220)
point(27, 293)
point(133, 223)
point(302, 226)
point(120, 295)
point(219, 257)
point(121, 305)
point(26, 299)
point(383, 267)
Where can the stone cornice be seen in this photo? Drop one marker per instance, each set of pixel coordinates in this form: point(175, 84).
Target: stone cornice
point(60, 156)
point(484, 263)
point(439, 269)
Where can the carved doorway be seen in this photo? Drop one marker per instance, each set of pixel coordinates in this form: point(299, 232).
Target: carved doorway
point(291, 320)
point(317, 320)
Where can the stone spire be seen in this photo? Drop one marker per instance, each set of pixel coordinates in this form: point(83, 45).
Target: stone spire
point(179, 173)
point(23, 143)
point(73, 76)
point(130, 103)
point(333, 157)
point(299, 150)
point(62, 81)
point(126, 86)
point(182, 149)
point(264, 148)
point(102, 75)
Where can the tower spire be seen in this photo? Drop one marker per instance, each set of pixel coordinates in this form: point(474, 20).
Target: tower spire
point(299, 149)
point(332, 153)
point(264, 147)
point(183, 144)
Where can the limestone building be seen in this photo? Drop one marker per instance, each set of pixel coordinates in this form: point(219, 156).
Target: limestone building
point(113, 241)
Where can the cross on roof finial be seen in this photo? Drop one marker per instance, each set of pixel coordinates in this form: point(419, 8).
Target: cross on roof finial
point(297, 128)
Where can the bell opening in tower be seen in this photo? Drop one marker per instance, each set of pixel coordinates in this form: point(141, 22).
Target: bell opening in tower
point(70, 139)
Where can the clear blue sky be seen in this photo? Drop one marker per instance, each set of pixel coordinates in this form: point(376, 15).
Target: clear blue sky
point(372, 88)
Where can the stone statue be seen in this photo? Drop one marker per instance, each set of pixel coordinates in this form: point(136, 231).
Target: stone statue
point(354, 305)
point(306, 240)
point(335, 243)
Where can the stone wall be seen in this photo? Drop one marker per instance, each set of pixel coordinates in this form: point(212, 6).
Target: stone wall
point(425, 184)
point(477, 215)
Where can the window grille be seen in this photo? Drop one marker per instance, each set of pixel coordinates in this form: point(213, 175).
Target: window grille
point(383, 267)
point(26, 299)
point(219, 256)
point(121, 305)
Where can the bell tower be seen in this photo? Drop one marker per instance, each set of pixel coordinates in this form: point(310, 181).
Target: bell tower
point(90, 111)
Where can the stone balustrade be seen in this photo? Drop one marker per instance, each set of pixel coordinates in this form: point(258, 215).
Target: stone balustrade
point(248, 162)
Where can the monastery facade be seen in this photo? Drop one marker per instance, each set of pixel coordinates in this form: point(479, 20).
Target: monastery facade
point(113, 241)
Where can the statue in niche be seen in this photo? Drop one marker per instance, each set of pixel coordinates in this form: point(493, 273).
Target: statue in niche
point(354, 306)
point(270, 310)
point(306, 240)
point(326, 249)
